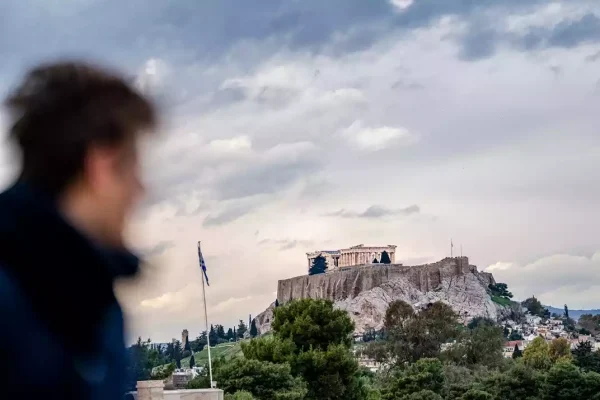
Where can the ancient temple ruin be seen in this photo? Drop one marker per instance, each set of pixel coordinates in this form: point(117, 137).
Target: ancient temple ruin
point(355, 255)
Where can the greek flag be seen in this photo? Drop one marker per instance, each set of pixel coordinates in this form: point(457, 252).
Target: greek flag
point(202, 263)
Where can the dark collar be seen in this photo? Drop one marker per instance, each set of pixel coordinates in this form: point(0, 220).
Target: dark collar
point(68, 279)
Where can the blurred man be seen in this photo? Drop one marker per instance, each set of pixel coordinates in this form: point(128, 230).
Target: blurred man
point(78, 129)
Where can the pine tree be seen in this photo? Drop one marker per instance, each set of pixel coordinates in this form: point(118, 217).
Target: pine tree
point(220, 331)
point(517, 353)
point(319, 266)
point(253, 330)
point(229, 334)
point(375, 261)
point(212, 336)
point(385, 258)
point(276, 303)
point(566, 312)
point(192, 361)
point(242, 328)
point(234, 335)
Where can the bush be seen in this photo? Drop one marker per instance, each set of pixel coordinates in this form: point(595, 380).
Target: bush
point(239, 395)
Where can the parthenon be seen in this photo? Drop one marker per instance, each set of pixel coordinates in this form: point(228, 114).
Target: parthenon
point(355, 255)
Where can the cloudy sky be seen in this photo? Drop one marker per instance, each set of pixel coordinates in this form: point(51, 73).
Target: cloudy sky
point(292, 126)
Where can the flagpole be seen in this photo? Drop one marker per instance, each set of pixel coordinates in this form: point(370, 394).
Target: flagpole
point(207, 330)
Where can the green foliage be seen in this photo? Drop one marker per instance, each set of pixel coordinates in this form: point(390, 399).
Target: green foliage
point(564, 381)
point(241, 329)
point(319, 266)
point(164, 372)
point(480, 346)
point(537, 354)
point(192, 361)
point(312, 324)
point(519, 383)
point(253, 330)
point(534, 306)
point(517, 353)
point(385, 258)
point(423, 395)
point(411, 336)
point(590, 322)
point(329, 374)
point(375, 261)
point(500, 290)
point(475, 394)
point(229, 334)
point(585, 358)
point(269, 349)
point(239, 395)
point(478, 321)
point(220, 332)
point(560, 350)
point(426, 374)
point(514, 335)
point(264, 380)
point(503, 301)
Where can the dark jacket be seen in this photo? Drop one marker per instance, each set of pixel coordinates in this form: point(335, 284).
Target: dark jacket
point(61, 327)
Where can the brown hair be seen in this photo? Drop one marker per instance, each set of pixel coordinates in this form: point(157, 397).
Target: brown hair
point(61, 109)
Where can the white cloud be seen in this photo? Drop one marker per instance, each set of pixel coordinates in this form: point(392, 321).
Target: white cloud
point(376, 138)
point(556, 280)
point(234, 145)
point(402, 4)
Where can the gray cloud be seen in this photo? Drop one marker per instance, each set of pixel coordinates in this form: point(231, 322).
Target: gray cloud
point(375, 211)
point(286, 244)
point(229, 214)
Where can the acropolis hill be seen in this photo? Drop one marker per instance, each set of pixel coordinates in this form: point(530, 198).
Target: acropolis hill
point(366, 290)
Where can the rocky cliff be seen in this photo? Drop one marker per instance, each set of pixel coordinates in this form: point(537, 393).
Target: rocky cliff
point(365, 291)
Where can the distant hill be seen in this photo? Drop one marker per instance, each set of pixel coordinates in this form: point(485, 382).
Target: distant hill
point(575, 314)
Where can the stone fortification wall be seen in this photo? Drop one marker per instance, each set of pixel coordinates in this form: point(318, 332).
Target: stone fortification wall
point(352, 281)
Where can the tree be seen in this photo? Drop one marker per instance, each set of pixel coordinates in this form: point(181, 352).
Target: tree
point(564, 381)
point(585, 358)
point(234, 334)
point(481, 346)
point(518, 383)
point(517, 353)
point(263, 379)
point(241, 330)
point(411, 336)
point(425, 374)
point(534, 307)
point(164, 372)
point(375, 261)
point(480, 321)
point(319, 266)
point(192, 361)
point(501, 290)
point(514, 335)
point(212, 336)
point(537, 354)
point(276, 303)
point(329, 374)
point(220, 332)
point(229, 334)
point(314, 339)
point(560, 350)
point(253, 330)
point(313, 323)
point(566, 312)
point(385, 258)
point(239, 395)
point(475, 394)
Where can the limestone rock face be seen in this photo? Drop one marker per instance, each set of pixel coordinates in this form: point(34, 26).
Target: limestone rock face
point(365, 291)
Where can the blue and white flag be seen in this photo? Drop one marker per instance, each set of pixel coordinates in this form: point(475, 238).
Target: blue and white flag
point(202, 263)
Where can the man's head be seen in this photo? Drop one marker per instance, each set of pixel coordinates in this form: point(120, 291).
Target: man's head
point(78, 129)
